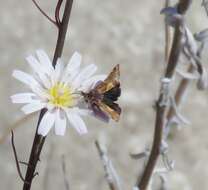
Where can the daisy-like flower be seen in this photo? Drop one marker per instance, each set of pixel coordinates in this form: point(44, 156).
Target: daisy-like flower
point(58, 90)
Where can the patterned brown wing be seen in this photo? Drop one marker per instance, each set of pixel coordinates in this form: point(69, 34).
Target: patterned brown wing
point(114, 112)
point(111, 81)
point(98, 113)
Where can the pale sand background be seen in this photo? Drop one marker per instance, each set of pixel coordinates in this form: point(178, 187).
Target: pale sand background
point(126, 32)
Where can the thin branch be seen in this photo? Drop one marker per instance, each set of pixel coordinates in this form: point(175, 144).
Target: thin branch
point(183, 86)
point(39, 139)
point(34, 156)
point(44, 14)
point(57, 12)
point(180, 92)
point(62, 31)
point(16, 158)
point(167, 35)
point(205, 5)
point(15, 125)
point(24, 163)
point(66, 183)
point(110, 173)
point(161, 109)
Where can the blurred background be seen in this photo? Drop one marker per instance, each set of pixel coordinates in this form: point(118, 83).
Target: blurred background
point(129, 33)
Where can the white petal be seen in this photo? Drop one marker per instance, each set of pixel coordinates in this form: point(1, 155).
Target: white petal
point(46, 123)
point(59, 66)
point(72, 67)
point(45, 81)
point(50, 106)
point(43, 57)
point(83, 112)
point(77, 122)
point(37, 66)
point(42, 93)
point(40, 71)
point(60, 123)
point(34, 64)
point(74, 62)
point(70, 77)
point(91, 82)
point(87, 72)
point(44, 60)
point(58, 71)
point(24, 78)
point(33, 107)
point(23, 98)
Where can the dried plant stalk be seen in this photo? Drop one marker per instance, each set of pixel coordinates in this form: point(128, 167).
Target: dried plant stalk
point(110, 173)
point(161, 108)
point(15, 125)
point(167, 36)
point(180, 93)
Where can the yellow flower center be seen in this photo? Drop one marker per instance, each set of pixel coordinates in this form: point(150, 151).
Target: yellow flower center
point(61, 95)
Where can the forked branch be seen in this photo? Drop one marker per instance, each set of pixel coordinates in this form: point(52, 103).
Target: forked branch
point(160, 105)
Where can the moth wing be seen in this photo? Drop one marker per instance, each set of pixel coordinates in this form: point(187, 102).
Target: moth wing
point(98, 113)
point(114, 112)
point(110, 81)
point(113, 93)
point(114, 75)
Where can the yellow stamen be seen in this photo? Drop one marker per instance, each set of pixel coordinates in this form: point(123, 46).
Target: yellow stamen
point(61, 95)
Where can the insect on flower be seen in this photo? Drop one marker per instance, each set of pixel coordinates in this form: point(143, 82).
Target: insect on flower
point(57, 90)
point(101, 99)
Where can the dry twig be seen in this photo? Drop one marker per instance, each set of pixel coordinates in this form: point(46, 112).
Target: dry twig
point(180, 93)
point(43, 13)
point(167, 36)
point(161, 109)
point(15, 125)
point(66, 182)
point(110, 173)
point(205, 5)
point(16, 158)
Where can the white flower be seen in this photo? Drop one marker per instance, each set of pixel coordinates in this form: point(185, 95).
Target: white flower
point(58, 90)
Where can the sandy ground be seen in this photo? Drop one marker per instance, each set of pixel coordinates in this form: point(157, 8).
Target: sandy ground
point(129, 33)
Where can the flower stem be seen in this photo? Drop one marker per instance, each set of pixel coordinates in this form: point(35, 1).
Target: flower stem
point(62, 31)
point(39, 139)
point(167, 36)
point(34, 155)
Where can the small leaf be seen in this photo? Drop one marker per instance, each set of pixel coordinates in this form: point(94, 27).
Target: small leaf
point(202, 83)
point(178, 118)
point(190, 42)
point(163, 147)
point(187, 75)
point(140, 155)
point(201, 36)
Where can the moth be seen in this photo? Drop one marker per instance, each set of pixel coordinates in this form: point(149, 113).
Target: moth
point(102, 98)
